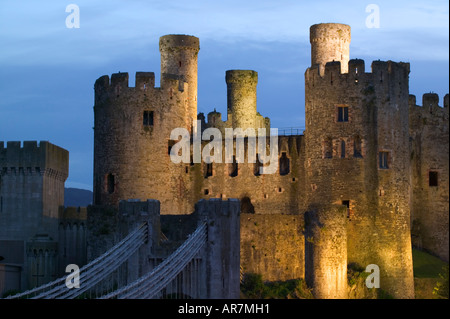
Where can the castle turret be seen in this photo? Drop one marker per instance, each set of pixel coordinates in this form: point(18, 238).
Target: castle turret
point(330, 42)
point(241, 97)
point(354, 159)
point(179, 57)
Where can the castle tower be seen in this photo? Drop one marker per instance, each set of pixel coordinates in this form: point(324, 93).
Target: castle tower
point(32, 180)
point(330, 42)
point(354, 158)
point(133, 125)
point(179, 57)
point(241, 97)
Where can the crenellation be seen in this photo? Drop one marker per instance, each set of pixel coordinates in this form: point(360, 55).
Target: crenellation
point(412, 101)
point(119, 79)
point(333, 73)
point(145, 80)
point(430, 101)
point(333, 69)
point(356, 67)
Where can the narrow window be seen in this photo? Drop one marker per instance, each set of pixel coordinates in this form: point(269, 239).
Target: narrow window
point(256, 166)
point(170, 144)
point(347, 204)
point(342, 115)
point(110, 183)
point(233, 168)
point(284, 164)
point(383, 158)
point(328, 148)
point(357, 147)
point(148, 118)
point(206, 191)
point(433, 178)
point(209, 170)
point(342, 149)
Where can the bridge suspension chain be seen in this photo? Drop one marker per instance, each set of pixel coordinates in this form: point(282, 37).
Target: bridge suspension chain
point(153, 282)
point(92, 273)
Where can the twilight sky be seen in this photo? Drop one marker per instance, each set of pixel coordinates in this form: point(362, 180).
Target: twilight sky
point(47, 71)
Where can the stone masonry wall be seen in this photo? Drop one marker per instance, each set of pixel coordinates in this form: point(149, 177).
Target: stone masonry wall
point(273, 246)
point(430, 150)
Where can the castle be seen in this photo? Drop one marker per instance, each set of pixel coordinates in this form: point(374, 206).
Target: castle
point(366, 180)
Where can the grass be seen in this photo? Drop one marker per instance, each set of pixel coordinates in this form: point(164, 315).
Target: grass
point(428, 272)
point(426, 265)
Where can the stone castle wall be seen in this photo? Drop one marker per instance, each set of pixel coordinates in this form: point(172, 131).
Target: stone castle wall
point(355, 152)
point(429, 174)
point(350, 119)
point(32, 179)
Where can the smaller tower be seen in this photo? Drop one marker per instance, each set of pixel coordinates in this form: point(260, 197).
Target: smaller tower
point(330, 42)
point(241, 97)
point(179, 57)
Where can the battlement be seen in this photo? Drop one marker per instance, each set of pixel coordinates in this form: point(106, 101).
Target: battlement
point(33, 157)
point(179, 41)
point(144, 80)
point(430, 104)
point(118, 84)
point(334, 74)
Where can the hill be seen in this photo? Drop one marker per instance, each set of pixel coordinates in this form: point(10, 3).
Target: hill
point(77, 197)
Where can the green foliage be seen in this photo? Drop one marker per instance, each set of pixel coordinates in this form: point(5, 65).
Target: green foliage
point(253, 287)
point(441, 288)
point(354, 273)
point(426, 265)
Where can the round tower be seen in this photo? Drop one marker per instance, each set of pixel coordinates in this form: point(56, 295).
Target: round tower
point(179, 57)
point(241, 97)
point(330, 42)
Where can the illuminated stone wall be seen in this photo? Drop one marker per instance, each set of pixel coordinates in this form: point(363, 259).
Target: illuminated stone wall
point(429, 154)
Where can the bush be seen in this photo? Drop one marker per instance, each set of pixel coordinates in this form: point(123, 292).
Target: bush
point(354, 272)
point(441, 288)
point(253, 287)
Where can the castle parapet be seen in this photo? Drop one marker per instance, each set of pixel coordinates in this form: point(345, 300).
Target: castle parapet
point(33, 158)
point(119, 79)
point(118, 85)
point(334, 72)
point(430, 104)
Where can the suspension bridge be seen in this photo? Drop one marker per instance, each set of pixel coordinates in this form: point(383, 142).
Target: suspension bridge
point(205, 265)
